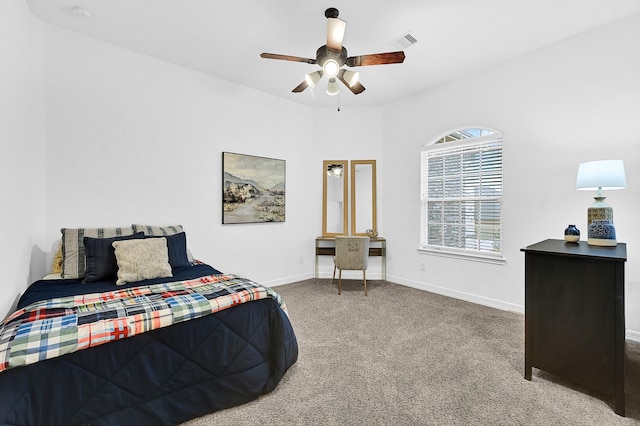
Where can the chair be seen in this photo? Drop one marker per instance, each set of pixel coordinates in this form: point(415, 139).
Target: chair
point(352, 254)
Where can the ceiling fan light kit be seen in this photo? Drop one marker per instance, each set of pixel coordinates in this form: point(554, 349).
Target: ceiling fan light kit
point(330, 68)
point(313, 78)
point(351, 77)
point(333, 55)
point(332, 87)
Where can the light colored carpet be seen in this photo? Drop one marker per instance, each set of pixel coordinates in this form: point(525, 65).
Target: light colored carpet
point(401, 356)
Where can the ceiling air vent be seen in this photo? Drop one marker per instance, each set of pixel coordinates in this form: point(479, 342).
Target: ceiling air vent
point(404, 41)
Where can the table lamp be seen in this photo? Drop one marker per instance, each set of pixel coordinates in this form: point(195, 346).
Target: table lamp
point(599, 175)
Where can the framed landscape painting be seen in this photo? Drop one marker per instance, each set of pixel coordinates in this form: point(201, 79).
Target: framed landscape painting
point(253, 189)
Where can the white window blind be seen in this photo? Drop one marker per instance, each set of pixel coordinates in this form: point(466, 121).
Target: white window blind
point(461, 206)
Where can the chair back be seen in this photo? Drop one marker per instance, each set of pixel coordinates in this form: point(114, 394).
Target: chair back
point(352, 253)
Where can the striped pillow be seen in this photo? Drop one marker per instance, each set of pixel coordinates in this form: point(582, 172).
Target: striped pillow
point(162, 231)
point(73, 255)
point(158, 231)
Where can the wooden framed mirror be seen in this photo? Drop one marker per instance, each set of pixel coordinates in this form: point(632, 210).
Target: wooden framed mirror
point(334, 197)
point(363, 196)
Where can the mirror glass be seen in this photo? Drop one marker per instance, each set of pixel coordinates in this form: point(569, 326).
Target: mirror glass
point(334, 197)
point(363, 196)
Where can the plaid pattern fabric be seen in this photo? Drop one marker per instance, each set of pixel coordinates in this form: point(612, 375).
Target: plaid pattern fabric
point(54, 327)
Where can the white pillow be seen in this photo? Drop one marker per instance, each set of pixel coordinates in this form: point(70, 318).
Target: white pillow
point(142, 259)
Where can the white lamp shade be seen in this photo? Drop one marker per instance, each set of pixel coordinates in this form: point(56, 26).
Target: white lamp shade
point(605, 174)
point(351, 77)
point(313, 78)
point(332, 87)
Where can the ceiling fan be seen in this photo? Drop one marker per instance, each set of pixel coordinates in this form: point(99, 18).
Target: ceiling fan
point(333, 55)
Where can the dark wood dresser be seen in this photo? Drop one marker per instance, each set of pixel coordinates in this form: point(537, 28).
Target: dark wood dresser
point(574, 314)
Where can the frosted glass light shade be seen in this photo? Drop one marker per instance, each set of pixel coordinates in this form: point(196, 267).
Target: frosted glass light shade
point(332, 87)
point(313, 78)
point(603, 174)
point(351, 77)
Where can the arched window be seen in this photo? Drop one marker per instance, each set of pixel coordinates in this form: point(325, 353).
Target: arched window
point(461, 194)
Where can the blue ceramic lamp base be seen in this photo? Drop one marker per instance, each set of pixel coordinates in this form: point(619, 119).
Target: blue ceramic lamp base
point(602, 233)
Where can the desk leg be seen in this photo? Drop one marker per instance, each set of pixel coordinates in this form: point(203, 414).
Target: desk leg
point(317, 266)
point(384, 261)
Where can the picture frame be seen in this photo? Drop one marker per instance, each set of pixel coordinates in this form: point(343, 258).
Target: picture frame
point(253, 189)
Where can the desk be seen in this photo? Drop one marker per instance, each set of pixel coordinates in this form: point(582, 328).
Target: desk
point(326, 246)
point(574, 314)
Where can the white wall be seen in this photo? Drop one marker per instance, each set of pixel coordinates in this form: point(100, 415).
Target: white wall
point(575, 101)
point(22, 149)
point(135, 139)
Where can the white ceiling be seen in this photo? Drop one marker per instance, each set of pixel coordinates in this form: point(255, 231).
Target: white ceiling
point(225, 38)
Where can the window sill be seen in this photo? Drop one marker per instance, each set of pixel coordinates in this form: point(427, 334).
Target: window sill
point(456, 254)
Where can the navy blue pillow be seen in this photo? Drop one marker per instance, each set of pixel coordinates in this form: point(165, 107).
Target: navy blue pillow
point(177, 247)
point(101, 257)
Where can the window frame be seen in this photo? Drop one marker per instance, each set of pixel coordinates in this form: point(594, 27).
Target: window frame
point(448, 142)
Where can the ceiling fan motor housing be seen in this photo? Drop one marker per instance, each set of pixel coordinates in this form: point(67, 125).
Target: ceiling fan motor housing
point(324, 53)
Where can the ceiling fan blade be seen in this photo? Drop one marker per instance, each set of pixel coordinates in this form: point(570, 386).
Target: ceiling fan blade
point(376, 59)
point(335, 33)
point(287, 58)
point(300, 87)
point(356, 88)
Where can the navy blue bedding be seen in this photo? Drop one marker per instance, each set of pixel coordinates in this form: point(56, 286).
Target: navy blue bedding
point(47, 289)
point(162, 377)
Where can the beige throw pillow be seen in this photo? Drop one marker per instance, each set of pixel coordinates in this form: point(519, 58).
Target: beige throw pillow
point(142, 259)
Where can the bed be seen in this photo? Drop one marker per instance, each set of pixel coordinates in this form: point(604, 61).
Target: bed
point(160, 350)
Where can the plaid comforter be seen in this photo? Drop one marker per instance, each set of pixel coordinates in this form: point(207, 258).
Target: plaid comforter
point(55, 327)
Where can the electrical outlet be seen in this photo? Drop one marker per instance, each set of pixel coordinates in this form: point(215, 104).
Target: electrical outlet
point(301, 260)
point(423, 267)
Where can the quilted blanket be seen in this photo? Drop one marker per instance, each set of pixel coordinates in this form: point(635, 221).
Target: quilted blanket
point(54, 327)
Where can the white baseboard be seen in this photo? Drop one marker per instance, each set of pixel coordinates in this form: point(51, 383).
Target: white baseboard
point(288, 280)
point(633, 335)
point(473, 298)
point(481, 300)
